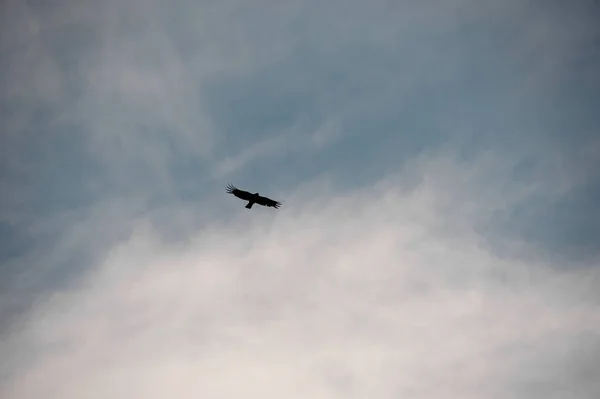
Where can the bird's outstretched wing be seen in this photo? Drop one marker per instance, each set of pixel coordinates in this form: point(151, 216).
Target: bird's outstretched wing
point(264, 201)
point(245, 195)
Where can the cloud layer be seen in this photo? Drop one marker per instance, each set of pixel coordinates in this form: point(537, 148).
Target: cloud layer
point(439, 165)
point(378, 292)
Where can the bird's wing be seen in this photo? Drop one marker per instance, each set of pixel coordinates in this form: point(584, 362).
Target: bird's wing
point(264, 201)
point(245, 195)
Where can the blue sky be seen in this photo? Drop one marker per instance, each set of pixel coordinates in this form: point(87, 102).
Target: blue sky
point(439, 165)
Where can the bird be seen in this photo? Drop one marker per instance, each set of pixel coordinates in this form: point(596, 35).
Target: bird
point(252, 198)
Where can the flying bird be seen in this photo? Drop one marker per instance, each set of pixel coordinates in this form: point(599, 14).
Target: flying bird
point(252, 198)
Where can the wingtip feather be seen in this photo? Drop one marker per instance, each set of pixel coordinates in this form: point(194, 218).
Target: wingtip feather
point(231, 188)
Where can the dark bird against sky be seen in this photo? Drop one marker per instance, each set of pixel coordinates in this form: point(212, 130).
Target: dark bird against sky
point(252, 198)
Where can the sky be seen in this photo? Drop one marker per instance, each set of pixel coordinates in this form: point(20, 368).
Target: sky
point(439, 163)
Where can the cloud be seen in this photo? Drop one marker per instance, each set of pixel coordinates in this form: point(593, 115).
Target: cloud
point(389, 272)
point(297, 140)
point(263, 150)
point(381, 291)
point(161, 93)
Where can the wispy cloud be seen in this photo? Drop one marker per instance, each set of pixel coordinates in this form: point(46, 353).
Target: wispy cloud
point(296, 141)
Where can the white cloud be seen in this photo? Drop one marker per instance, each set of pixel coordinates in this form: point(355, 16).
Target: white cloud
point(327, 133)
point(296, 140)
point(274, 147)
point(378, 293)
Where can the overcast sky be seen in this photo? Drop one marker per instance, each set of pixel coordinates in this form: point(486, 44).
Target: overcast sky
point(439, 163)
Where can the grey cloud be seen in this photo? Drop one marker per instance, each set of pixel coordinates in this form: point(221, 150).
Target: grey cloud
point(566, 368)
point(168, 89)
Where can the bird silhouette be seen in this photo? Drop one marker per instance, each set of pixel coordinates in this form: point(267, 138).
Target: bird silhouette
point(252, 198)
